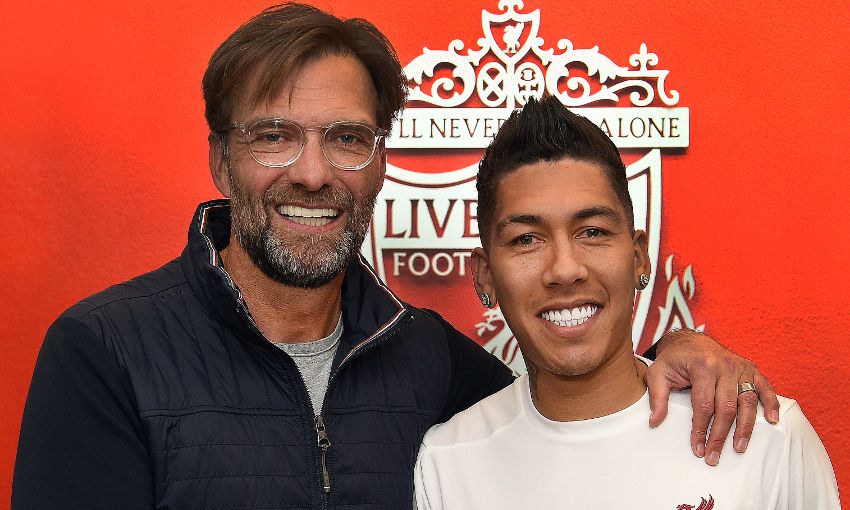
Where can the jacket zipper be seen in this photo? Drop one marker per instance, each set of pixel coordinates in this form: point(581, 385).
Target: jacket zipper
point(323, 440)
point(324, 443)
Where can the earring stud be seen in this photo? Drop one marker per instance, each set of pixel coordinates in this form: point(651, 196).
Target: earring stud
point(485, 299)
point(644, 280)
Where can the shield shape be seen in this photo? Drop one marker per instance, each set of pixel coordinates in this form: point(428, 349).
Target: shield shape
point(516, 31)
point(424, 228)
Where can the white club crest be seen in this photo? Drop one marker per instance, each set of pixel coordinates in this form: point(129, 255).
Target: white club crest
point(459, 97)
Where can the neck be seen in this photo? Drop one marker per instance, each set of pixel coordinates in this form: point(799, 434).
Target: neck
point(613, 386)
point(284, 314)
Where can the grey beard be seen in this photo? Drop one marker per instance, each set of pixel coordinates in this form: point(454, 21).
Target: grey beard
point(312, 263)
point(283, 265)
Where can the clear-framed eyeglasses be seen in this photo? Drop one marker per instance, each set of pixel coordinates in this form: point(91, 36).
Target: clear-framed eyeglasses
point(278, 142)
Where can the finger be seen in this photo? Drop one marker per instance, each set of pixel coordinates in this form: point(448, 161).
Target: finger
point(659, 393)
point(767, 397)
point(702, 401)
point(725, 410)
point(746, 419)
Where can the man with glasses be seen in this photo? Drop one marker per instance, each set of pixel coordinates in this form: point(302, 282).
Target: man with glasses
point(268, 366)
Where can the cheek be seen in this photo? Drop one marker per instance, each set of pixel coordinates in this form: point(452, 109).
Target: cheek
point(363, 183)
point(369, 187)
point(355, 185)
point(514, 279)
point(619, 277)
point(241, 160)
point(248, 190)
point(251, 179)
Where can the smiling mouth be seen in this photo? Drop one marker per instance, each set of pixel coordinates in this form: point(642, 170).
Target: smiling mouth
point(570, 317)
point(318, 217)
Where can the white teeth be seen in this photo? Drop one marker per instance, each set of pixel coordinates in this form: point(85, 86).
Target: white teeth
point(310, 222)
point(306, 216)
point(567, 318)
point(294, 210)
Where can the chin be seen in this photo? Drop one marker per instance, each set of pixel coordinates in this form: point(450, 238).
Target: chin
point(573, 365)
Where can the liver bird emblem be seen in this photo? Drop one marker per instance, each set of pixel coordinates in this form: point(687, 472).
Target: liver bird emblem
point(703, 505)
point(511, 37)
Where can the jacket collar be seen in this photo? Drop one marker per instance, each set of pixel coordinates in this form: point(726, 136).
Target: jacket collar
point(369, 308)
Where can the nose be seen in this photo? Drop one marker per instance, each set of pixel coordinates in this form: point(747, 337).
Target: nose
point(311, 170)
point(565, 265)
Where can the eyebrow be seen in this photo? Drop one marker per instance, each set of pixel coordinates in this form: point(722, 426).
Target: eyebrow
point(599, 210)
point(533, 219)
point(524, 219)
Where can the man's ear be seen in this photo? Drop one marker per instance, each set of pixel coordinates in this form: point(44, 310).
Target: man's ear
point(481, 276)
point(218, 164)
point(641, 249)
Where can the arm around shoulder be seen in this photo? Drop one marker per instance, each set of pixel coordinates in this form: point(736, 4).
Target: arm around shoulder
point(81, 443)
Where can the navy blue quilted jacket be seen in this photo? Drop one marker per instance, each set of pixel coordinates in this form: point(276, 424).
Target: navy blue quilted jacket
point(162, 393)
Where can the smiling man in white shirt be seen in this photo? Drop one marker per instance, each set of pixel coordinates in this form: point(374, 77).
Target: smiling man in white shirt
point(561, 258)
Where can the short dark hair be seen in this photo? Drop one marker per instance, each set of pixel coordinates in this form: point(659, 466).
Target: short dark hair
point(270, 48)
point(546, 130)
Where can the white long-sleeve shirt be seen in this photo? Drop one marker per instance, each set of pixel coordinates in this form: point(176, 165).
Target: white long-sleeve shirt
point(503, 454)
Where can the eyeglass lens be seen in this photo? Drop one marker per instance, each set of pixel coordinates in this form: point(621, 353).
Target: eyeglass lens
point(345, 144)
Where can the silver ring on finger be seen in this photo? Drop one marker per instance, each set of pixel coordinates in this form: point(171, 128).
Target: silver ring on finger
point(744, 387)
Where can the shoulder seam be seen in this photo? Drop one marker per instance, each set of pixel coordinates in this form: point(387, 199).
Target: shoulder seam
point(469, 442)
point(138, 296)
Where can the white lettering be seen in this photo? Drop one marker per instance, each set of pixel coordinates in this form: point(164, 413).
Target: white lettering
point(397, 262)
point(462, 257)
point(450, 264)
point(473, 128)
point(440, 264)
point(426, 264)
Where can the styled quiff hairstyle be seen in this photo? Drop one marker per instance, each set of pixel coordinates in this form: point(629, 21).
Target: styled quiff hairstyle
point(268, 50)
point(546, 130)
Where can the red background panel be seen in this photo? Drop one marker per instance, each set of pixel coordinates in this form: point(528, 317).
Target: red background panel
point(104, 159)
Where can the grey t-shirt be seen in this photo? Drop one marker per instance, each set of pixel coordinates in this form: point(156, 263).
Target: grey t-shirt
point(314, 360)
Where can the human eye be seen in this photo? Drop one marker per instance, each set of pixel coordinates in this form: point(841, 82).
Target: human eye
point(350, 136)
point(594, 234)
point(523, 240)
point(273, 134)
point(269, 137)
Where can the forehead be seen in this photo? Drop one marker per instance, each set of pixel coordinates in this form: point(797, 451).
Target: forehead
point(325, 89)
point(555, 190)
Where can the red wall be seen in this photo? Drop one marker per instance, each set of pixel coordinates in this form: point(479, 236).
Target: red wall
point(104, 159)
